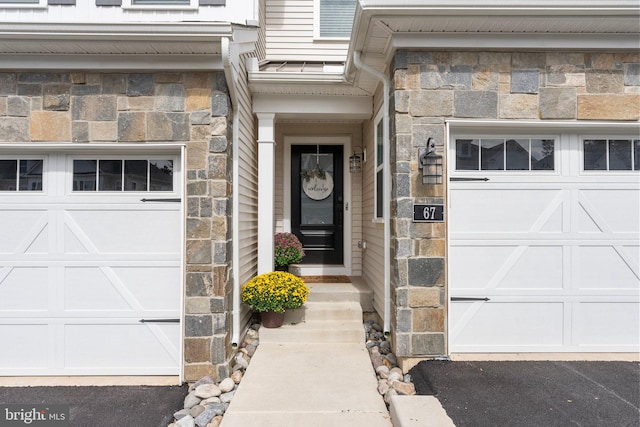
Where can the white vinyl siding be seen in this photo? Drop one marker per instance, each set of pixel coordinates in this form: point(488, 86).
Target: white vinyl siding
point(86, 11)
point(262, 32)
point(372, 232)
point(248, 194)
point(290, 34)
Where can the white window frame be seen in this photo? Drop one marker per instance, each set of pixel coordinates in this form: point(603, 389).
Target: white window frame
point(152, 156)
point(129, 4)
point(40, 4)
point(608, 138)
point(505, 136)
point(27, 157)
point(378, 166)
point(316, 24)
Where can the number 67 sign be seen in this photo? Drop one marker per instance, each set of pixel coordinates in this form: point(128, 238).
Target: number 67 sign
point(428, 213)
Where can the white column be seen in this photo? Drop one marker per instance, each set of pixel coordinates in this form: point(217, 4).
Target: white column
point(266, 195)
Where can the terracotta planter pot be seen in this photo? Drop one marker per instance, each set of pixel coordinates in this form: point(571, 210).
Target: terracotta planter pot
point(271, 319)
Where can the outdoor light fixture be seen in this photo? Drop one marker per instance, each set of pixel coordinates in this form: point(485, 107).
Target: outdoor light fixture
point(431, 164)
point(355, 161)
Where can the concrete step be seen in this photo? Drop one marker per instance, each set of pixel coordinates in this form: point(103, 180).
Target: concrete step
point(324, 311)
point(317, 331)
point(357, 291)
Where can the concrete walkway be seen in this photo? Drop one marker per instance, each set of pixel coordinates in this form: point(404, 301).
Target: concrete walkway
point(307, 384)
point(315, 372)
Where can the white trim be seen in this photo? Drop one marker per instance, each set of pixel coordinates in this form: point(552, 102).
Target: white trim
point(346, 143)
point(547, 124)
point(299, 106)
point(506, 6)
point(41, 4)
point(378, 168)
point(129, 5)
point(83, 148)
point(266, 194)
point(183, 256)
point(492, 41)
point(112, 62)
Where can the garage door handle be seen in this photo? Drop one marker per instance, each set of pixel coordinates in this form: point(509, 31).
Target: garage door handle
point(469, 299)
point(161, 200)
point(455, 179)
point(159, 320)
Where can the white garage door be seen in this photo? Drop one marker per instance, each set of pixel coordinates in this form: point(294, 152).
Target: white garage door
point(90, 274)
point(544, 255)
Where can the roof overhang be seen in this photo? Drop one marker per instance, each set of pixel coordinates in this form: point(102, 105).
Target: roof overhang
point(115, 46)
point(382, 27)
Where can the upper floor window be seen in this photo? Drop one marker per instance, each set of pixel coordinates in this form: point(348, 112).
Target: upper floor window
point(22, 3)
point(160, 2)
point(499, 154)
point(611, 154)
point(334, 18)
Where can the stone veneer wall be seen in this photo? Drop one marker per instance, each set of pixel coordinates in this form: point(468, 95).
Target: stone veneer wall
point(194, 108)
point(430, 87)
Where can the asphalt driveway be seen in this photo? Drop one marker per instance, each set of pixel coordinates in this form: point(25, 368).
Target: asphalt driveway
point(139, 406)
point(534, 393)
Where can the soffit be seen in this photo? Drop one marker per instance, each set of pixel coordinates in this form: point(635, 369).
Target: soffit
point(383, 26)
point(113, 39)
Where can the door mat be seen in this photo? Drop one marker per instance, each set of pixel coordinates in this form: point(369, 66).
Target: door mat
point(326, 279)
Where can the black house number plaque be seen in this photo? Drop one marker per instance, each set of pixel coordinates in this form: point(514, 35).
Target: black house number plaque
point(428, 213)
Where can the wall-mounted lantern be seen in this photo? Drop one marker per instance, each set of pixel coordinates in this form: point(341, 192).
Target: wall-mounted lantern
point(356, 160)
point(431, 164)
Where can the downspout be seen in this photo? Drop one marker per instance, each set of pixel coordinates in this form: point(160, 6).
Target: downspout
point(235, 222)
point(386, 186)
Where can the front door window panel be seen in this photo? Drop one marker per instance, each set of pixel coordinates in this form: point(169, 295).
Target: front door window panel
point(316, 212)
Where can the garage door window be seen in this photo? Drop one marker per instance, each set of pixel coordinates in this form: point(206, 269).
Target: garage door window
point(505, 154)
point(611, 154)
point(21, 175)
point(122, 175)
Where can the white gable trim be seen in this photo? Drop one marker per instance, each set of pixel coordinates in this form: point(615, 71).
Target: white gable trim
point(500, 41)
point(112, 63)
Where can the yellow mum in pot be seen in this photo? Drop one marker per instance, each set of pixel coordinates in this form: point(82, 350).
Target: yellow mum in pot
point(275, 291)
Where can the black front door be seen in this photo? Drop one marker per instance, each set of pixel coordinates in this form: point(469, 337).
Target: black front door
point(317, 202)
